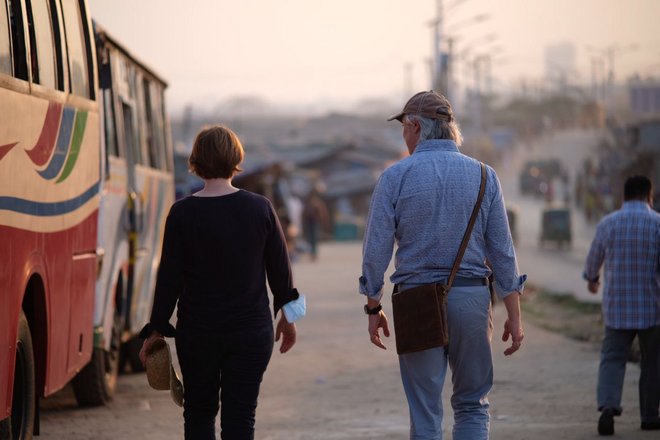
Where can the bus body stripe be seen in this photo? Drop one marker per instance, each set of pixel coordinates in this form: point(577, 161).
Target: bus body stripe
point(42, 150)
point(78, 131)
point(63, 145)
point(4, 149)
point(48, 209)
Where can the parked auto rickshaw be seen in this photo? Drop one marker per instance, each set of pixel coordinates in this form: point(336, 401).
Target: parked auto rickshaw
point(556, 226)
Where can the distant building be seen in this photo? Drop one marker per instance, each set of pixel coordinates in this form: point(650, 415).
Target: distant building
point(644, 97)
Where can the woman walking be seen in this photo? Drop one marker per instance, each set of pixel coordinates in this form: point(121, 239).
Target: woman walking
point(220, 246)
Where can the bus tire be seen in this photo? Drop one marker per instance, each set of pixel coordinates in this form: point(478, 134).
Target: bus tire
point(20, 423)
point(131, 350)
point(95, 385)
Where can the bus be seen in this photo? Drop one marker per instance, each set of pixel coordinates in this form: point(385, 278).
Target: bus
point(86, 178)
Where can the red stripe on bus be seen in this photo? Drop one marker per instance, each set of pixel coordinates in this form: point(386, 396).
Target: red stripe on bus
point(43, 149)
point(4, 149)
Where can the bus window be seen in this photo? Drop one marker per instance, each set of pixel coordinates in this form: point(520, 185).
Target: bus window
point(132, 145)
point(5, 43)
point(75, 38)
point(110, 129)
point(152, 141)
point(19, 54)
point(42, 43)
point(159, 125)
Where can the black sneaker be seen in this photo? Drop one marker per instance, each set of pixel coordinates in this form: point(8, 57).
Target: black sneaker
point(651, 425)
point(606, 422)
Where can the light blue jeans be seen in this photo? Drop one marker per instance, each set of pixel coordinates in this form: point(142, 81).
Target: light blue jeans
point(469, 357)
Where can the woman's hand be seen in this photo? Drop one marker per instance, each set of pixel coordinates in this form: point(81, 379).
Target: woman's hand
point(287, 331)
point(146, 346)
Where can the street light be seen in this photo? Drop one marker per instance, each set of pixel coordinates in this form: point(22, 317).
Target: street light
point(488, 38)
point(446, 77)
point(481, 65)
point(605, 55)
point(610, 53)
point(453, 5)
point(476, 19)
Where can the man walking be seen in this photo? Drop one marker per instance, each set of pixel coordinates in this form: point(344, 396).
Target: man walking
point(423, 204)
point(628, 242)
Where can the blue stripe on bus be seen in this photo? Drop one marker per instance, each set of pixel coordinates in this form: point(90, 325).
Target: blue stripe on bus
point(50, 209)
point(63, 145)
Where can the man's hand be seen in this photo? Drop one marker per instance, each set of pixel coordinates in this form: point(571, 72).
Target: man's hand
point(513, 325)
point(593, 286)
point(513, 328)
point(376, 322)
point(287, 331)
point(146, 346)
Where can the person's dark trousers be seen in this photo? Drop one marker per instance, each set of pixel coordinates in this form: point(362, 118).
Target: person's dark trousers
point(312, 230)
point(228, 367)
point(614, 355)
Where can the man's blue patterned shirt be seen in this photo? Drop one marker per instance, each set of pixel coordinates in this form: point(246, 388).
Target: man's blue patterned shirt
point(627, 241)
point(423, 204)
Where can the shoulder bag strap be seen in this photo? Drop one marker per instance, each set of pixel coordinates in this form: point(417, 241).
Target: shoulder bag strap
point(468, 231)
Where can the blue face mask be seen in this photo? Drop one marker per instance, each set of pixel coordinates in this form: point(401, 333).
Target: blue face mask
point(294, 310)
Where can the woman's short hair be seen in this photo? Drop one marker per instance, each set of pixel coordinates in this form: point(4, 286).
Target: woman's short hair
point(216, 153)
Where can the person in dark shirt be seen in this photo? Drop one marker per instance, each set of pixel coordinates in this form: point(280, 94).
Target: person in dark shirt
point(220, 246)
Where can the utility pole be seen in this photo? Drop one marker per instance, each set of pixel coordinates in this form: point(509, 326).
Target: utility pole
point(438, 72)
point(607, 56)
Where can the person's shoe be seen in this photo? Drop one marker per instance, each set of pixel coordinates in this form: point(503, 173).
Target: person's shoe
point(651, 425)
point(606, 422)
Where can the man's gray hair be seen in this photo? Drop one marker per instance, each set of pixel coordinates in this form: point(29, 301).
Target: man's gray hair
point(437, 129)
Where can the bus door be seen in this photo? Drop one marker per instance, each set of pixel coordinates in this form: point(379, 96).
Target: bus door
point(114, 221)
point(149, 178)
point(122, 83)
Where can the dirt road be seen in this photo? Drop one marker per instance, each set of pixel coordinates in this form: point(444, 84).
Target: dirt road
point(336, 385)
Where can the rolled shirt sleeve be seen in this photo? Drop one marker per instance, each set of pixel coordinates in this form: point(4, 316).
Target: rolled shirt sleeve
point(499, 245)
point(596, 256)
point(379, 240)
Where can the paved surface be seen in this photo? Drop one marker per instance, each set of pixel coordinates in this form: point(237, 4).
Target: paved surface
point(558, 270)
point(336, 385)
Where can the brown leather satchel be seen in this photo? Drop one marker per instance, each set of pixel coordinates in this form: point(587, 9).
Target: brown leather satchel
point(420, 313)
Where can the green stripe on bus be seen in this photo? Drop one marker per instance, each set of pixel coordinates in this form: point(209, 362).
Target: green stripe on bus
point(76, 142)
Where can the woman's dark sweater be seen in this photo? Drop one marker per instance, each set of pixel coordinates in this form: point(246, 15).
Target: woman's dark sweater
point(217, 254)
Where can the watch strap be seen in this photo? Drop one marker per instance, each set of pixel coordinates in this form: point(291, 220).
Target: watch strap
point(376, 310)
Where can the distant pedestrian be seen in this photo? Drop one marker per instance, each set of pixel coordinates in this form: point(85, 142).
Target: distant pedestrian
point(423, 204)
point(627, 241)
point(315, 217)
point(220, 246)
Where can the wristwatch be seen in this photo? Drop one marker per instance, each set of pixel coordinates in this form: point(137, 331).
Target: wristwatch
point(376, 310)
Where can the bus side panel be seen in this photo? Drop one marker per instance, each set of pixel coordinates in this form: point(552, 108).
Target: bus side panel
point(49, 185)
point(68, 299)
point(83, 279)
point(113, 239)
point(157, 192)
point(9, 309)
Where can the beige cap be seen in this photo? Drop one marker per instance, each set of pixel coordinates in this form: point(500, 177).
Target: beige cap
point(427, 104)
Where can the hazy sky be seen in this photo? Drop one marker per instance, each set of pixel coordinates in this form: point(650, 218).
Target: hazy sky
point(336, 51)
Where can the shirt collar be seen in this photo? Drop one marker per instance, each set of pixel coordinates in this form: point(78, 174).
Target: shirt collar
point(636, 205)
point(436, 145)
